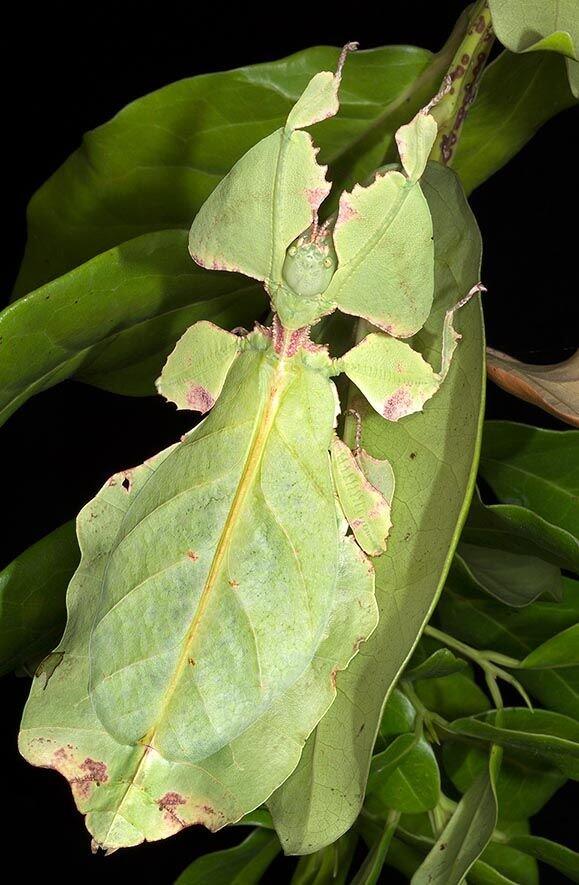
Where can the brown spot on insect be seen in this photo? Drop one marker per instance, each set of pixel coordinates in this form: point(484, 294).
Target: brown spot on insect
point(233, 583)
point(192, 555)
point(412, 456)
point(167, 805)
point(82, 778)
point(465, 58)
point(397, 404)
point(199, 399)
point(191, 661)
point(94, 774)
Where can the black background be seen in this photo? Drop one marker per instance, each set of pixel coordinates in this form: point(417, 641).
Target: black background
point(69, 68)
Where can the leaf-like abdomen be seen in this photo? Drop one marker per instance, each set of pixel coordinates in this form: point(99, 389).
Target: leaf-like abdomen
point(218, 589)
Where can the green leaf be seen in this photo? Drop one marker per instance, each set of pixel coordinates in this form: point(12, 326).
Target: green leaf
point(557, 856)
point(243, 865)
point(551, 25)
point(517, 94)
point(385, 763)
point(514, 554)
point(452, 696)
point(433, 455)
point(410, 784)
point(398, 717)
point(513, 578)
point(440, 663)
point(518, 530)
point(32, 591)
point(154, 164)
point(533, 468)
point(196, 673)
point(540, 733)
point(559, 651)
point(482, 873)
point(465, 836)
point(330, 866)
point(524, 784)
point(114, 319)
point(369, 872)
point(258, 818)
point(508, 861)
point(485, 623)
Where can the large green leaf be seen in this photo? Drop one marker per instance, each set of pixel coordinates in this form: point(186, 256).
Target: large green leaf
point(561, 650)
point(485, 623)
point(509, 861)
point(410, 785)
point(534, 468)
point(440, 663)
point(532, 25)
point(517, 94)
point(207, 618)
point(540, 733)
point(557, 856)
point(114, 316)
point(513, 578)
point(519, 530)
point(524, 783)
point(466, 834)
point(32, 591)
point(244, 864)
point(434, 458)
point(514, 554)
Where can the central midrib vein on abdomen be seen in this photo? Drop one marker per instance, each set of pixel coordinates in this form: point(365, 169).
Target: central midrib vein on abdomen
point(257, 446)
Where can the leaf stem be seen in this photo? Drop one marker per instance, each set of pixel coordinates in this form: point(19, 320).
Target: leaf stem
point(488, 661)
point(464, 72)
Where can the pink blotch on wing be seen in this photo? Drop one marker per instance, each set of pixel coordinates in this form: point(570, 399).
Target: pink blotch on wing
point(346, 212)
point(199, 399)
point(397, 405)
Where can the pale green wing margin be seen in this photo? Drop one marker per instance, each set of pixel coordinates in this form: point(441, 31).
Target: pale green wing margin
point(271, 195)
point(383, 240)
point(393, 377)
point(129, 789)
point(195, 371)
point(366, 509)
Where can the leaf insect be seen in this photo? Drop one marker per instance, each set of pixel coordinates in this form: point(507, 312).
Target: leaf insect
point(225, 585)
